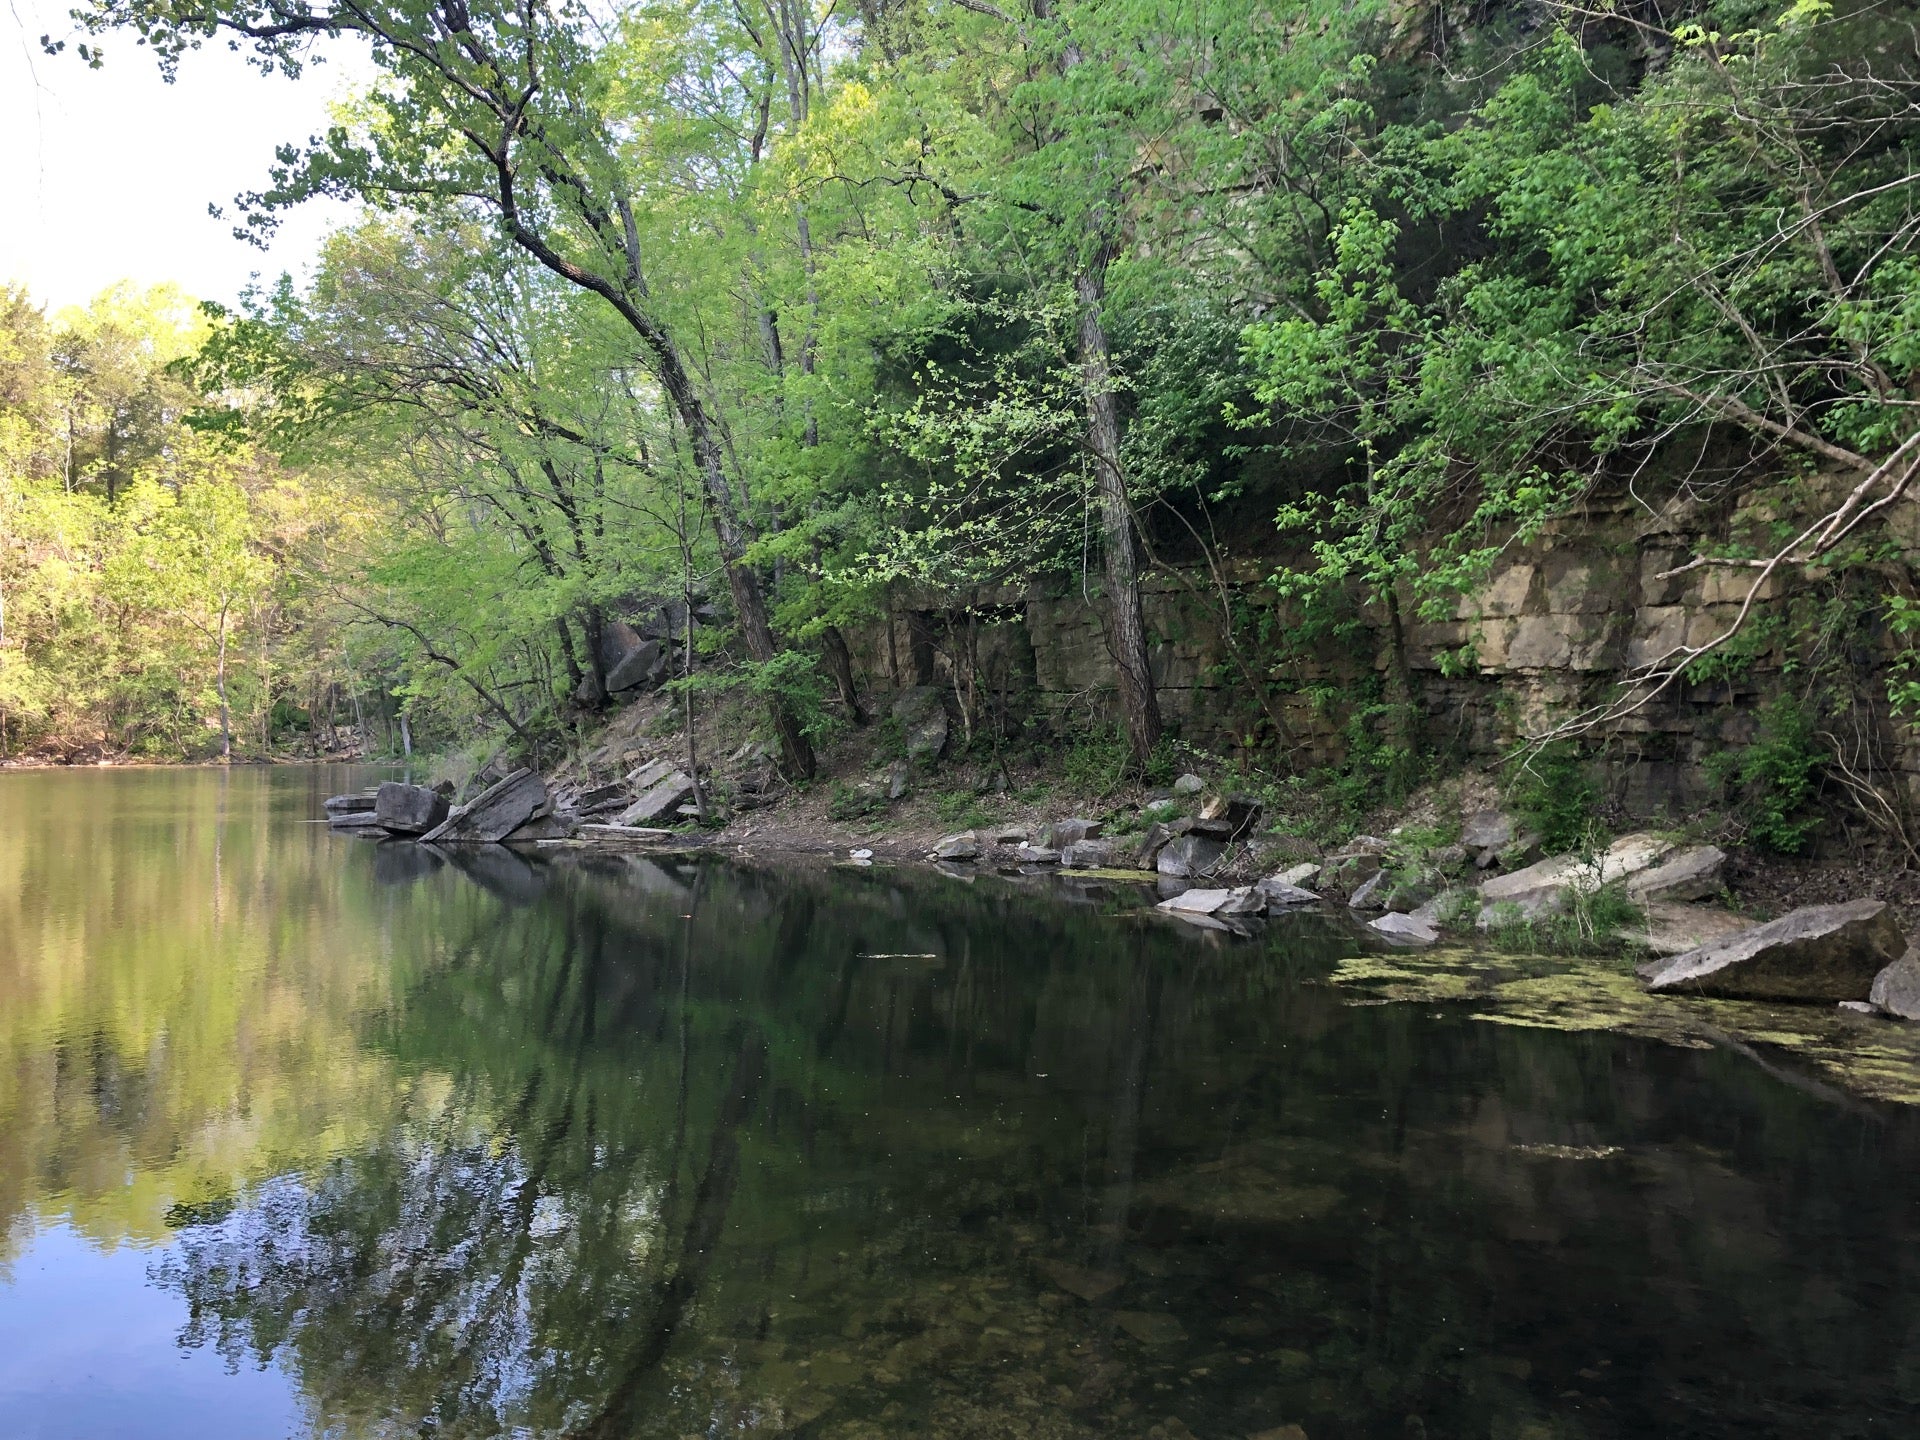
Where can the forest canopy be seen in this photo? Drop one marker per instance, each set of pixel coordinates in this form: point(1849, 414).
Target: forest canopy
point(778, 312)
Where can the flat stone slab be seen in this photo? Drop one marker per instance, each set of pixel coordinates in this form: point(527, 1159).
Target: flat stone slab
point(1691, 874)
point(660, 799)
point(1818, 952)
point(494, 813)
point(1404, 929)
point(1675, 926)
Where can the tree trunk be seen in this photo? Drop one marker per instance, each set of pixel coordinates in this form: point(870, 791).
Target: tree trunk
point(220, 680)
point(833, 646)
point(749, 601)
point(1129, 627)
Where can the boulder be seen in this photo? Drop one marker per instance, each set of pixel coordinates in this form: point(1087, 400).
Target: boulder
point(1147, 853)
point(641, 666)
point(1036, 855)
point(1404, 929)
point(1674, 927)
point(1350, 869)
point(1818, 952)
point(1244, 900)
point(1487, 830)
point(361, 804)
point(1211, 902)
point(408, 809)
point(899, 780)
point(1896, 989)
point(1189, 857)
point(1062, 833)
point(1189, 785)
point(1543, 887)
point(661, 800)
point(356, 820)
point(1240, 811)
point(1279, 895)
point(495, 813)
point(1010, 835)
point(1371, 893)
point(922, 714)
point(964, 846)
point(1089, 855)
point(1691, 874)
point(1303, 874)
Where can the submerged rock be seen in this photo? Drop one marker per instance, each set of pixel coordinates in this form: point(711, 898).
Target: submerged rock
point(1818, 952)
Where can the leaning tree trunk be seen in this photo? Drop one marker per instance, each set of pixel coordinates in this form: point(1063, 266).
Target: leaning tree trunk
point(1129, 626)
point(749, 600)
point(226, 715)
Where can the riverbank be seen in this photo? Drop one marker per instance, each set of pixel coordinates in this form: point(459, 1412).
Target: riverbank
point(1566, 962)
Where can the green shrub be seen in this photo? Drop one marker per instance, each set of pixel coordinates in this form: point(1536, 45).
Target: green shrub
point(961, 808)
point(1554, 791)
point(1772, 780)
point(850, 802)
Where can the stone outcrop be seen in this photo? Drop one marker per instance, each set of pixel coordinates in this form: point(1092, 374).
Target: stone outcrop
point(1818, 952)
point(408, 809)
point(1557, 622)
point(495, 813)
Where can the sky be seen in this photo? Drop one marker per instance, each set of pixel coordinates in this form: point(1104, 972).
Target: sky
point(107, 174)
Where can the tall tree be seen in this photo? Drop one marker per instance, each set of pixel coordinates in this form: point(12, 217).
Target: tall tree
point(537, 141)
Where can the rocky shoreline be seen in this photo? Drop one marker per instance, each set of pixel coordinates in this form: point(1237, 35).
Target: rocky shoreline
point(1205, 853)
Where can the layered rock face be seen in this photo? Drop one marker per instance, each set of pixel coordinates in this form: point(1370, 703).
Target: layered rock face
point(1557, 623)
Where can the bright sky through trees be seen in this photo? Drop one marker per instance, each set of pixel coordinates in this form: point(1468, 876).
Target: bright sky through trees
point(107, 174)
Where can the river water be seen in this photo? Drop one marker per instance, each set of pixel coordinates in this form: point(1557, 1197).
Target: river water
point(302, 1135)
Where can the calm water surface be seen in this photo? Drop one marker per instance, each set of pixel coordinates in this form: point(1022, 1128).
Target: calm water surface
point(306, 1136)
